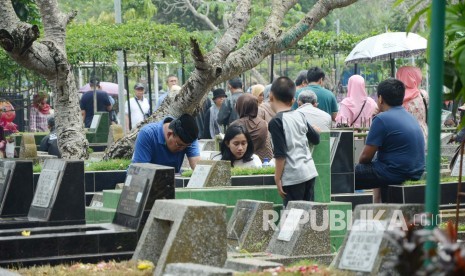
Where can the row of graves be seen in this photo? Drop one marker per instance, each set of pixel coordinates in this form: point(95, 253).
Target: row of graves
point(181, 236)
point(206, 225)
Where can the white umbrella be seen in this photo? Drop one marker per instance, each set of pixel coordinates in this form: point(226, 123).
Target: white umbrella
point(387, 46)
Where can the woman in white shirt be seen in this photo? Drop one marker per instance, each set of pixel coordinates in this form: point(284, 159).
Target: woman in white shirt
point(237, 147)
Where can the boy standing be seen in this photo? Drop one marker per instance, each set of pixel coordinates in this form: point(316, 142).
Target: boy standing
point(295, 170)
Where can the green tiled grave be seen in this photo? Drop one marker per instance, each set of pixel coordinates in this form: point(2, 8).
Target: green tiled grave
point(321, 156)
point(111, 198)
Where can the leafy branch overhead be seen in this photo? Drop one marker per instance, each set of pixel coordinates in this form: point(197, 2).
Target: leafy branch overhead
point(228, 59)
point(86, 42)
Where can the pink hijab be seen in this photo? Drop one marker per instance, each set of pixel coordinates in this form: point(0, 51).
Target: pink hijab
point(352, 105)
point(411, 77)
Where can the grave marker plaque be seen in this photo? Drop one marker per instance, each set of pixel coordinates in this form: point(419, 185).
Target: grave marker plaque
point(308, 240)
point(363, 244)
point(60, 195)
point(4, 179)
point(239, 222)
point(365, 249)
point(132, 195)
point(144, 184)
point(199, 176)
point(45, 188)
point(210, 173)
point(95, 121)
point(290, 225)
point(245, 228)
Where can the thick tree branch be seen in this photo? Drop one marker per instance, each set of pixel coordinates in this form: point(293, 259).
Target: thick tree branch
point(303, 27)
point(265, 44)
point(8, 15)
point(54, 22)
point(236, 28)
point(201, 16)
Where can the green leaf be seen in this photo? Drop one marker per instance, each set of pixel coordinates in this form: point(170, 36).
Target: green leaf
point(415, 18)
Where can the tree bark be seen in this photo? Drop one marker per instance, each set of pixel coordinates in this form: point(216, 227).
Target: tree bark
point(224, 62)
point(48, 59)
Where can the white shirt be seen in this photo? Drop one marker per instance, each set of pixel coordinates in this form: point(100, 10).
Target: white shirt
point(136, 115)
point(254, 163)
point(316, 116)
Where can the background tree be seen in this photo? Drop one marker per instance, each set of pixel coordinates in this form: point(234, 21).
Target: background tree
point(228, 59)
point(48, 58)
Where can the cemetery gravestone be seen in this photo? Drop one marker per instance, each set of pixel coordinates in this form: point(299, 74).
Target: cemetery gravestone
point(210, 173)
point(16, 187)
point(60, 194)
point(186, 231)
point(208, 155)
point(97, 200)
point(115, 133)
point(245, 227)
point(364, 248)
point(99, 128)
point(28, 148)
point(144, 184)
point(304, 231)
point(342, 164)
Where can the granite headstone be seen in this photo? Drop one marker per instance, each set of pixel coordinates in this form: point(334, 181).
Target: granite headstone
point(303, 230)
point(16, 187)
point(184, 231)
point(365, 249)
point(245, 227)
point(28, 148)
point(144, 184)
point(210, 173)
point(59, 195)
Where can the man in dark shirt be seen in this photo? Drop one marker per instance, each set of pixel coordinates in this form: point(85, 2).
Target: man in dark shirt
point(397, 138)
point(50, 142)
point(87, 102)
point(228, 113)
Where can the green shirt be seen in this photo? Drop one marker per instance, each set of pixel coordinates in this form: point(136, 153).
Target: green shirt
point(326, 99)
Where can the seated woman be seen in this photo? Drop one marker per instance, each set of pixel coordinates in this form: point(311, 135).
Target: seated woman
point(247, 109)
point(237, 147)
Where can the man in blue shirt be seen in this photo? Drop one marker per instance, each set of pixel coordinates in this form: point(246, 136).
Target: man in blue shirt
point(167, 141)
point(87, 102)
point(397, 138)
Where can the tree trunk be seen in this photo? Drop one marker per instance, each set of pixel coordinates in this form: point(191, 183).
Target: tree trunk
point(48, 59)
point(224, 62)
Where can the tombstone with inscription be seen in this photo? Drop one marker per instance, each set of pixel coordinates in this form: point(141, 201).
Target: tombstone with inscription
point(59, 197)
point(210, 173)
point(245, 227)
point(28, 147)
point(365, 249)
point(186, 231)
point(303, 230)
point(144, 184)
point(16, 187)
